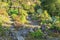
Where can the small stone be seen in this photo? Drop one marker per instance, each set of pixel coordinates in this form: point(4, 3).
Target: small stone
point(20, 38)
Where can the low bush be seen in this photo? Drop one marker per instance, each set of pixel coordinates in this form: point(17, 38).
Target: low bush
point(37, 34)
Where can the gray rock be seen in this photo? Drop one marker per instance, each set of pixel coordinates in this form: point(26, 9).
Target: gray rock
point(24, 32)
point(31, 30)
point(1, 38)
point(20, 38)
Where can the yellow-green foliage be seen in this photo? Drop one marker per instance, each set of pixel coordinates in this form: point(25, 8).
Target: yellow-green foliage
point(57, 22)
point(4, 18)
point(4, 5)
point(23, 12)
point(21, 17)
point(15, 4)
point(45, 17)
point(26, 6)
point(40, 10)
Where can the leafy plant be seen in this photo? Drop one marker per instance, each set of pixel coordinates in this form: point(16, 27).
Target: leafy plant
point(3, 30)
point(26, 6)
point(36, 34)
point(56, 23)
point(21, 18)
point(13, 11)
point(6, 20)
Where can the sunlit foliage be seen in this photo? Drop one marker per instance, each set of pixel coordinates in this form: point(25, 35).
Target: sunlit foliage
point(4, 18)
point(43, 11)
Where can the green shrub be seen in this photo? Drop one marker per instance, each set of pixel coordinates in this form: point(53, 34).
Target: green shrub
point(3, 31)
point(13, 11)
point(56, 23)
point(36, 34)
